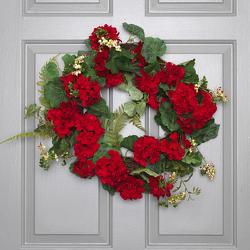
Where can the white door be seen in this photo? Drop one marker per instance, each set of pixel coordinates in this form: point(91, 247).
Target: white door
point(57, 210)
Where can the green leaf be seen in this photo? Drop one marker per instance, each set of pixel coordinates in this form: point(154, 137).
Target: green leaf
point(112, 66)
point(102, 151)
point(190, 170)
point(30, 110)
point(127, 85)
point(152, 68)
point(89, 59)
point(144, 170)
point(211, 132)
point(159, 166)
point(137, 122)
point(194, 158)
point(168, 116)
point(204, 83)
point(130, 108)
point(206, 134)
point(99, 108)
point(166, 87)
point(101, 80)
point(124, 86)
point(190, 72)
point(152, 48)
point(178, 166)
point(134, 29)
point(159, 122)
point(197, 132)
point(135, 93)
point(126, 64)
point(140, 108)
point(90, 72)
point(111, 63)
point(128, 142)
point(108, 188)
point(51, 70)
point(87, 43)
point(60, 145)
point(68, 60)
point(55, 93)
point(127, 54)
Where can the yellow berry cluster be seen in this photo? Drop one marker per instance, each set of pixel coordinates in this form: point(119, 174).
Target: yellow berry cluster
point(110, 43)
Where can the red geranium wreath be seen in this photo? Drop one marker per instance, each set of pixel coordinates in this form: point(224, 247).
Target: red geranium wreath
point(78, 120)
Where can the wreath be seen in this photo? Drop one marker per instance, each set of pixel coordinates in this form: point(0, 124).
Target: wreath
point(84, 130)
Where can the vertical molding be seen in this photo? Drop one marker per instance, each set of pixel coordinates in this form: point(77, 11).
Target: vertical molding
point(29, 239)
point(190, 8)
point(67, 8)
point(227, 240)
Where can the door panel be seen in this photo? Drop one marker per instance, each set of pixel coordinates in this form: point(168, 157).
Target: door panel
point(57, 210)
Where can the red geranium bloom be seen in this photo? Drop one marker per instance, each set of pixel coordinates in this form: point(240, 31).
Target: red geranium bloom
point(184, 98)
point(66, 81)
point(89, 92)
point(159, 187)
point(113, 80)
point(131, 188)
point(64, 117)
point(200, 114)
point(81, 88)
point(84, 151)
point(186, 143)
point(153, 102)
point(171, 74)
point(106, 31)
point(90, 123)
point(147, 83)
point(84, 169)
point(172, 149)
point(146, 149)
point(100, 60)
point(91, 131)
point(112, 170)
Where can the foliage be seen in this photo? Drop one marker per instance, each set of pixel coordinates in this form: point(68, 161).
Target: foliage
point(152, 48)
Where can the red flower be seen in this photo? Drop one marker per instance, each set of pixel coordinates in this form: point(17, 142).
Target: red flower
point(108, 32)
point(146, 149)
point(113, 80)
point(147, 83)
point(64, 117)
point(200, 114)
point(184, 98)
point(131, 188)
point(84, 170)
point(186, 143)
point(66, 82)
point(171, 74)
point(81, 88)
point(84, 151)
point(111, 170)
point(172, 149)
point(153, 102)
point(159, 187)
point(89, 92)
point(185, 102)
point(137, 52)
point(91, 131)
point(174, 136)
point(90, 123)
point(100, 60)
